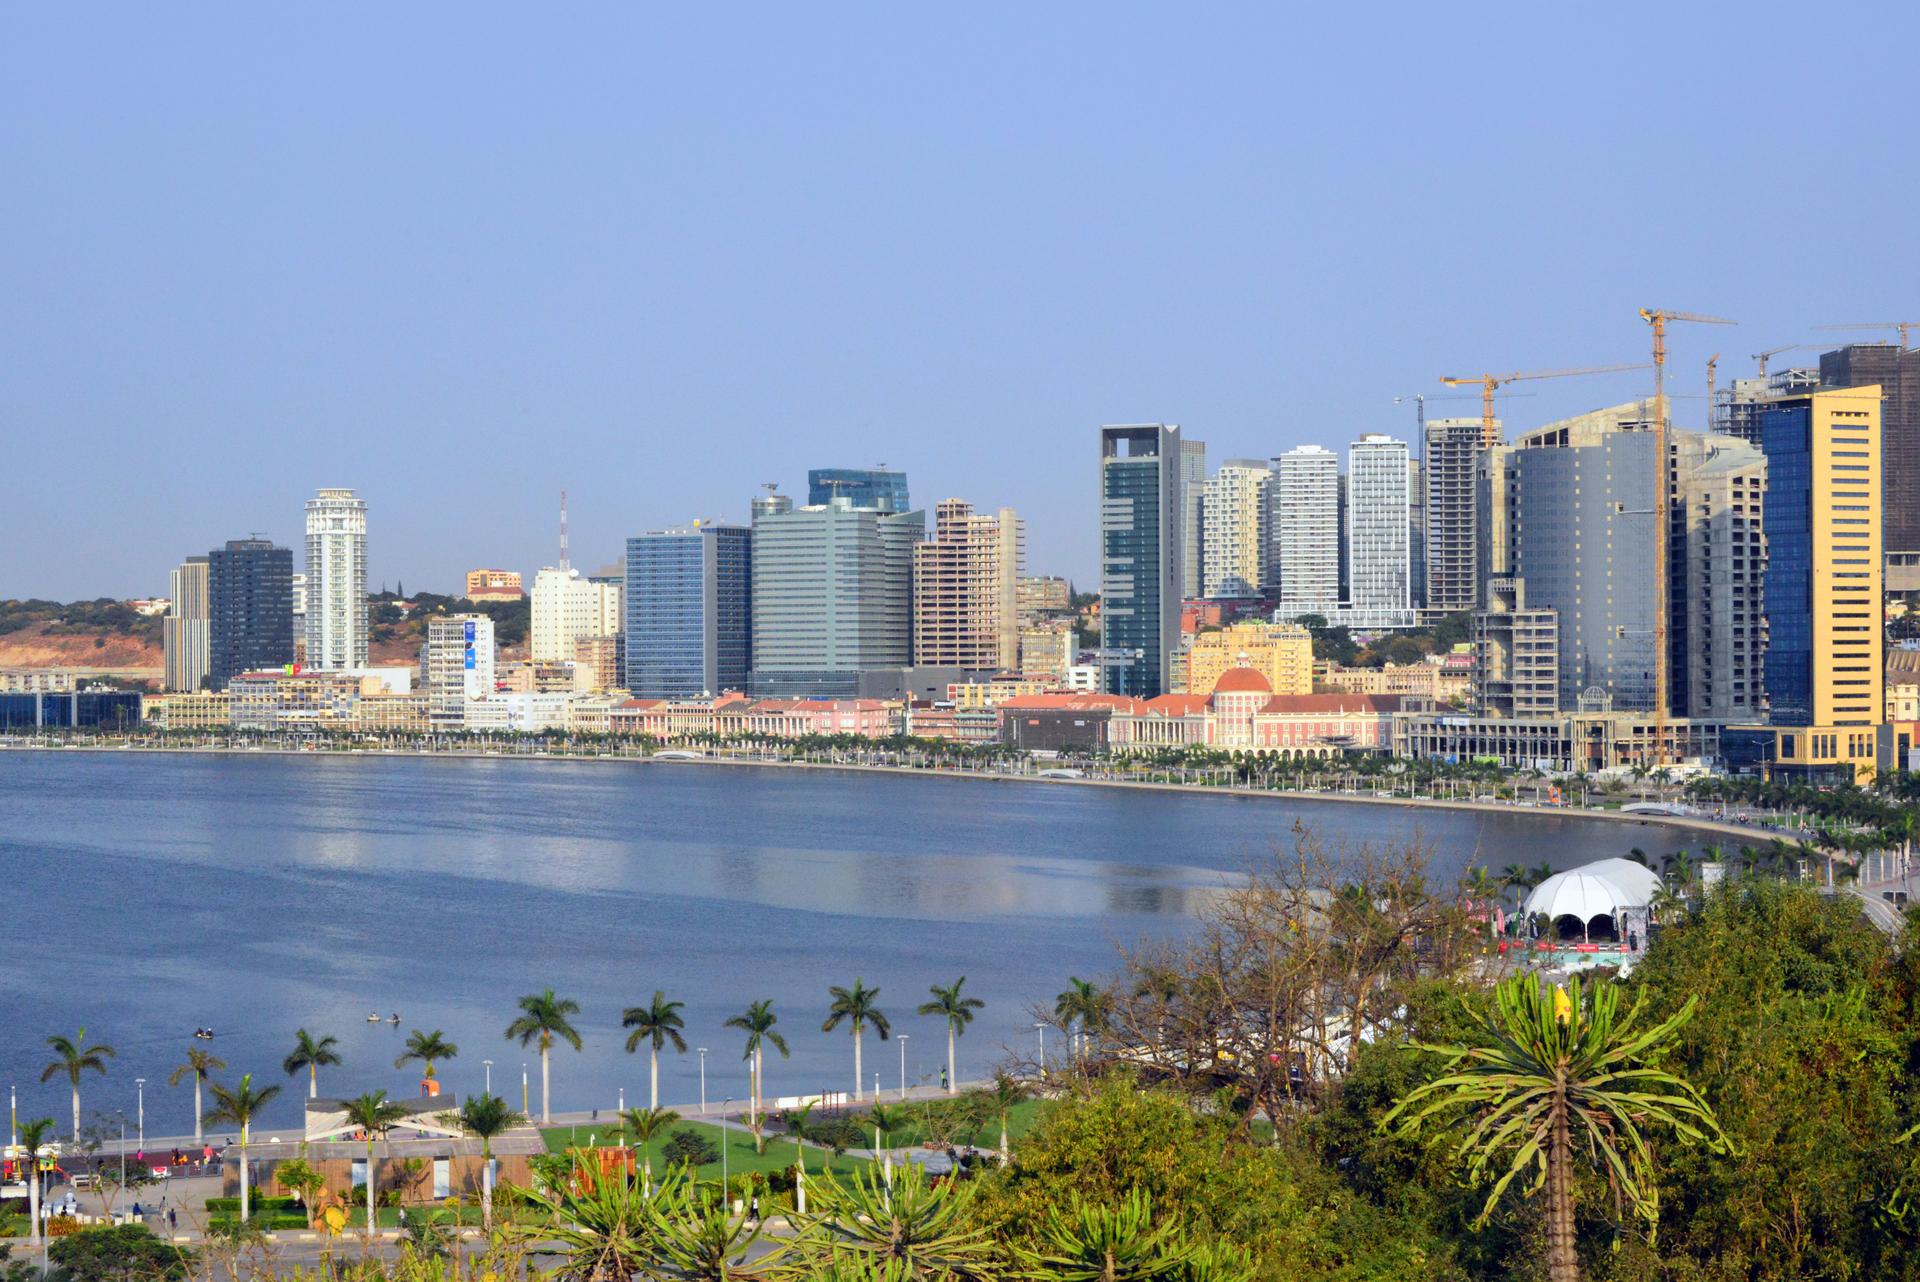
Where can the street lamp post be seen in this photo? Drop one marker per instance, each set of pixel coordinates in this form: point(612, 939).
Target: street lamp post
point(726, 1194)
point(140, 1087)
point(621, 1107)
point(903, 1068)
point(703, 1080)
point(489, 1066)
point(523, 1086)
point(1043, 1048)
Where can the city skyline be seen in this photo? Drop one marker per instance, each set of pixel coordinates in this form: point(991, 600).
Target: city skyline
point(874, 264)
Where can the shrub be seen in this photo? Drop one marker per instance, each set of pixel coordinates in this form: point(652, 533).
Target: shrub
point(258, 1205)
point(689, 1146)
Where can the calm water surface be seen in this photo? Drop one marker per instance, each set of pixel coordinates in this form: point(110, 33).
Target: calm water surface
point(256, 894)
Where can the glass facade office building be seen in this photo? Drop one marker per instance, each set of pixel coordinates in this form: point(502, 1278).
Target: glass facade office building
point(1142, 538)
point(249, 609)
point(1786, 434)
point(81, 710)
point(878, 488)
point(689, 616)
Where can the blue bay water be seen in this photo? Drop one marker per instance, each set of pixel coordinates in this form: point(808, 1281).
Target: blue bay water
point(258, 893)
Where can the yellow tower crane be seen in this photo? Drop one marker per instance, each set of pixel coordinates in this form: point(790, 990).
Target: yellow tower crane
point(1771, 352)
point(1490, 383)
point(1659, 319)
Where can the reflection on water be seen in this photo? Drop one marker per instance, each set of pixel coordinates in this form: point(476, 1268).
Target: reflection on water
point(259, 893)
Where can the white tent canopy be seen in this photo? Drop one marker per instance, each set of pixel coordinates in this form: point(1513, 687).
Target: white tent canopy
point(1607, 888)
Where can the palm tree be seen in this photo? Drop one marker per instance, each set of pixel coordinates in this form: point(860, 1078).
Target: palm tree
point(374, 1114)
point(757, 1023)
point(642, 1125)
point(856, 1006)
point(426, 1047)
point(201, 1064)
point(312, 1054)
point(33, 1136)
point(1549, 1070)
point(543, 1017)
point(238, 1105)
point(958, 1011)
point(74, 1058)
point(1083, 1004)
point(484, 1117)
point(657, 1023)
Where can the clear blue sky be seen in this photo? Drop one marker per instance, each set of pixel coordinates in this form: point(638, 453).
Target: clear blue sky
point(459, 257)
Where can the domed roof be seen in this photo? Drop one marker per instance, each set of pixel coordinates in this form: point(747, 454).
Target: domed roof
point(1242, 681)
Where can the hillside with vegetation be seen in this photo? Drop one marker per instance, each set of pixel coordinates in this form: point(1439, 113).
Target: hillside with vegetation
point(103, 633)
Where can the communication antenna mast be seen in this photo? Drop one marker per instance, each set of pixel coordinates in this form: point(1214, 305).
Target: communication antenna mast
point(563, 531)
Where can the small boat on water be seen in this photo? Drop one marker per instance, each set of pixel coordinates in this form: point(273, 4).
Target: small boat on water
point(373, 1018)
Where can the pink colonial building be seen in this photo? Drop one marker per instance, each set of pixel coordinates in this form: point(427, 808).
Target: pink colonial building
point(1244, 715)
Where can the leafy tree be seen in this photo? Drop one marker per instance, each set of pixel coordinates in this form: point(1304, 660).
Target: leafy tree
point(239, 1105)
point(856, 1006)
point(657, 1024)
point(956, 1011)
point(426, 1048)
point(118, 1253)
point(72, 1058)
point(1551, 1070)
point(543, 1018)
point(200, 1064)
point(311, 1053)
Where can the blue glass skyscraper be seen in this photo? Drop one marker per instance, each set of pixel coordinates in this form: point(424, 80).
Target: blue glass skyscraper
point(881, 489)
point(1142, 538)
point(689, 611)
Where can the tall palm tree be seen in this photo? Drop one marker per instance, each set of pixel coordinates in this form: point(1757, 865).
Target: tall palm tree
point(311, 1053)
point(1549, 1071)
point(657, 1023)
point(74, 1057)
point(856, 1006)
point(374, 1114)
point(426, 1048)
point(1005, 1093)
point(642, 1125)
point(1082, 1005)
point(757, 1023)
point(201, 1064)
point(33, 1135)
point(543, 1017)
point(484, 1117)
point(238, 1105)
point(957, 1011)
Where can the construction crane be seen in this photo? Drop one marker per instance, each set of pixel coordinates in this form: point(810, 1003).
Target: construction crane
point(1489, 383)
point(1713, 363)
point(1771, 352)
point(1905, 328)
point(1659, 318)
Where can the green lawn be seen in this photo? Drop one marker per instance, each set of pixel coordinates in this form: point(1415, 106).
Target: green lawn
point(740, 1157)
point(929, 1119)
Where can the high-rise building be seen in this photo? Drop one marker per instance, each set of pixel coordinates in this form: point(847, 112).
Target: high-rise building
point(965, 604)
point(1492, 515)
point(1454, 447)
point(336, 617)
point(1516, 655)
point(1142, 539)
point(1737, 406)
point(1823, 533)
point(457, 666)
point(249, 609)
point(1235, 520)
point(832, 595)
point(1717, 637)
point(689, 593)
point(186, 634)
point(1582, 496)
point(1303, 528)
point(879, 488)
point(1193, 516)
point(1280, 652)
point(1896, 371)
point(1047, 648)
point(1379, 562)
point(567, 607)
